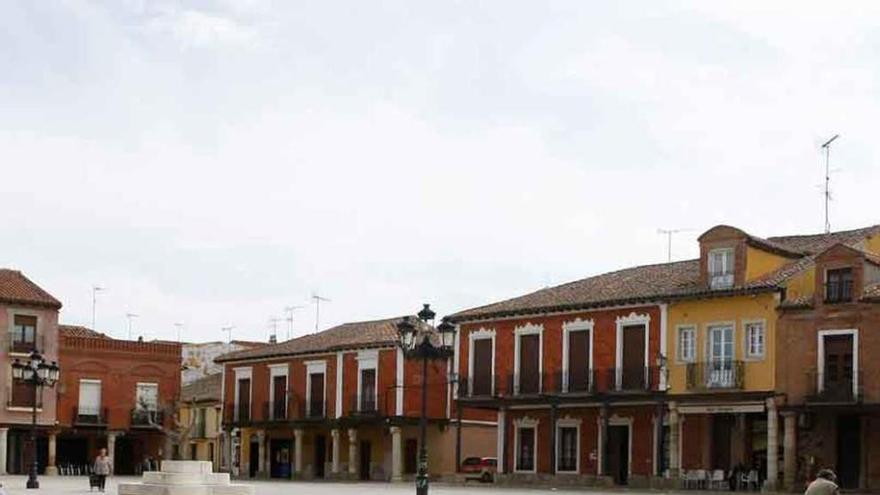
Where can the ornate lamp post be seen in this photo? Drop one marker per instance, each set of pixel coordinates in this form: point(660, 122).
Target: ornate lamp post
point(426, 343)
point(38, 373)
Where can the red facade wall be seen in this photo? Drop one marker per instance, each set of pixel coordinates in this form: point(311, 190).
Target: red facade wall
point(119, 365)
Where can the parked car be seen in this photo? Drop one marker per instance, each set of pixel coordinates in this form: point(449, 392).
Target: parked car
point(479, 468)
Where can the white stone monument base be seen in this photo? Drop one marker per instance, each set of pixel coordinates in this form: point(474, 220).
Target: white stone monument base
point(185, 478)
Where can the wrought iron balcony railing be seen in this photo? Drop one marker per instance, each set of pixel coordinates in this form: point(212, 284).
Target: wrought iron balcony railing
point(724, 374)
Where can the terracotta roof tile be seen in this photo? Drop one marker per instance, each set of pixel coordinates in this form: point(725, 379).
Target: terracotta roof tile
point(208, 388)
point(816, 243)
point(377, 333)
point(80, 331)
point(15, 288)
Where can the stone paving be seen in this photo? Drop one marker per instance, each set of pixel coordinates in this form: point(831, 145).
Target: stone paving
point(15, 485)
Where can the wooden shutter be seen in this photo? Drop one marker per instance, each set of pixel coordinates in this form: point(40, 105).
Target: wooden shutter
point(316, 392)
point(482, 379)
point(279, 392)
point(244, 399)
point(529, 364)
point(633, 357)
point(578, 361)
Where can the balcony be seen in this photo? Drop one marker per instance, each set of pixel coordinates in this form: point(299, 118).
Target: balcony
point(716, 375)
point(833, 388)
point(90, 416)
point(313, 409)
point(364, 405)
point(147, 418)
point(276, 411)
point(839, 292)
point(484, 387)
point(17, 345)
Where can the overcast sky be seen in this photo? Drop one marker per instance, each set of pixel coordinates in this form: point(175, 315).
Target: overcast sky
point(211, 162)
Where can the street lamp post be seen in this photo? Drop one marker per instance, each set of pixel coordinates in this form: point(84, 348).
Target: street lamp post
point(38, 373)
point(426, 343)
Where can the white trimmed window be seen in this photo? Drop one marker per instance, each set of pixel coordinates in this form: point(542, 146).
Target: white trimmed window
point(148, 396)
point(755, 339)
point(526, 445)
point(721, 268)
point(687, 344)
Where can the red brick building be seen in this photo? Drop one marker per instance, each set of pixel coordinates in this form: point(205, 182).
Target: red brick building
point(341, 403)
point(111, 394)
point(571, 375)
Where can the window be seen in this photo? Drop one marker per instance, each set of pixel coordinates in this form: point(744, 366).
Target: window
point(525, 448)
point(839, 285)
point(755, 339)
point(23, 395)
point(687, 344)
point(481, 383)
point(148, 396)
point(243, 396)
point(721, 365)
point(24, 333)
point(721, 268)
point(201, 422)
point(567, 443)
point(315, 388)
point(89, 398)
point(368, 390)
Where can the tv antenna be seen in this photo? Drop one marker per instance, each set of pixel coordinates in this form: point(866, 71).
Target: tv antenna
point(273, 322)
point(827, 147)
point(318, 299)
point(289, 310)
point(228, 331)
point(95, 290)
point(669, 233)
point(130, 317)
point(178, 326)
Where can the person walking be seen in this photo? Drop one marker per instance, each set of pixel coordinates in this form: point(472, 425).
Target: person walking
point(824, 484)
point(103, 467)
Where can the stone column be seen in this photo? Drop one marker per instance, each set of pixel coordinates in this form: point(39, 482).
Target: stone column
point(51, 469)
point(352, 452)
point(396, 454)
point(772, 445)
point(261, 458)
point(334, 435)
point(500, 431)
point(111, 444)
point(674, 454)
point(601, 440)
point(298, 452)
point(789, 449)
point(4, 436)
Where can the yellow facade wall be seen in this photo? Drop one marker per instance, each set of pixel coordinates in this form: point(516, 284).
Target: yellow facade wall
point(802, 285)
point(872, 244)
point(701, 313)
point(759, 263)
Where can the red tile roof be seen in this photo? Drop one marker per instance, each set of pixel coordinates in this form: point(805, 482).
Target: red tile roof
point(651, 283)
point(361, 334)
point(80, 331)
point(205, 389)
point(15, 288)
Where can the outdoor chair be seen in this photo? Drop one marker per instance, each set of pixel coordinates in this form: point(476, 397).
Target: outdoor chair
point(718, 480)
point(749, 480)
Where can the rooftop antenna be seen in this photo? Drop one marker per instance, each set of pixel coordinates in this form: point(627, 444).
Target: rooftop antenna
point(318, 299)
point(228, 331)
point(130, 317)
point(273, 322)
point(289, 310)
point(95, 290)
point(827, 148)
point(178, 326)
point(669, 233)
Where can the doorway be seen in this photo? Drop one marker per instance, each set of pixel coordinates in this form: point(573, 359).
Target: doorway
point(722, 428)
point(253, 460)
point(849, 451)
point(411, 457)
point(320, 455)
point(124, 456)
point(618, 447)
point(365, 460)
point(279, 452)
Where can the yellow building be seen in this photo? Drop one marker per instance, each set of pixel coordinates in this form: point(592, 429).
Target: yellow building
point(201, 412)
point(721, 349)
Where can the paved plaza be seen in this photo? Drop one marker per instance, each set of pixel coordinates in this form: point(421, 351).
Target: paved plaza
point(15, 485)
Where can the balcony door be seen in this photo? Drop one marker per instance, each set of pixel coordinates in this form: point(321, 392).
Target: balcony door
point(578, 379)
point(279, 396)
point(244, 399)
point(838, 372)
point(316, 395)
point(633, 366)
point(89, 408)
point(481, 382)
point(367, 400)
point(529, 364)
point(721, 356)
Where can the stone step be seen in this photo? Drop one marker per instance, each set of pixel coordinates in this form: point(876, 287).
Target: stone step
point(187, 467)
point(149, 489)
point(165, 478)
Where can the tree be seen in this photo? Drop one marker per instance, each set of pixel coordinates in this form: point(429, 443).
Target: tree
point(179, 432)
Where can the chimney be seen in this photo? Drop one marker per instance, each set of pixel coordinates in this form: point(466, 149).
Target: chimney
point(273, 339)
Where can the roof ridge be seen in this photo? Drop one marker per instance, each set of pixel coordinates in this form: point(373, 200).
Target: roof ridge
point(837, 232)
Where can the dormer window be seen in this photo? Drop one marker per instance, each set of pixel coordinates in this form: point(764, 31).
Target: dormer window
point(839, 285)
point(721, 268)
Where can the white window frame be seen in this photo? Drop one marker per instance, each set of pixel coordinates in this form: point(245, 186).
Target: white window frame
point(727, 275)
point(100, 394)
point(519, 332)
point(368, 360)
point(569, 422)
point(11, 313)
point(820, 357)
point(523, 423)
point(569, 327)
point(276, 370)
point(679, 355)
point(708, 343)
point(631, 319)
point(747, 342)
point(315, 367)
point(140, 385)
point(241, 374)
point(480, 334)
